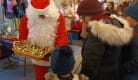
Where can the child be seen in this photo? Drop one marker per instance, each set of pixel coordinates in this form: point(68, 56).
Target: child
point(62, 63)
point(102, 47)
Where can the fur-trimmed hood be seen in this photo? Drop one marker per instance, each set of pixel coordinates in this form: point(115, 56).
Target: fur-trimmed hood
point(110, 33)
point(52, 76)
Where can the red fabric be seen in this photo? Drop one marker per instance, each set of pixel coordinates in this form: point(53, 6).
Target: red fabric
point(23, 30)
point(62, 35)
point(77, 26)
point(135, 33)
point(101, 16)
point(80, 1)
point(40, 71)
point(61, 39)
point(0, 53)
point(40, 4)
point(45, 59)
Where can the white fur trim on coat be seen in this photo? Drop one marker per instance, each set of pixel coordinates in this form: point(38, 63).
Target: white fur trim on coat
point(112, 34)
point(53, 76)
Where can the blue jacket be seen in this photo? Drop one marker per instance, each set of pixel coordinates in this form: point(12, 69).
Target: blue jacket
point(129, 58)
point(130, 54)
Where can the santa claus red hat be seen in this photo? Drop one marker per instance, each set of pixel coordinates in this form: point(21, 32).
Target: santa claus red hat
point(40, 4)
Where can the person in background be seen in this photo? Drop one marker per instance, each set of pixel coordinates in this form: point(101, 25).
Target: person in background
point(68, 14)
point(62, 63)
point(129, 58)
point(44, 26)
point(124, 4)
point(120, 11)
point(110, 8)
point(102, 47)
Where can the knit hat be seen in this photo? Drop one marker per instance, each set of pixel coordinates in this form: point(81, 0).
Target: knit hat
point(40, 4)
point(62, 60)
point(132, 11)
point(89, 8)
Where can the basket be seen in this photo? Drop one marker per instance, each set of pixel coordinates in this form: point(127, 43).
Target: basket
point(25, 48)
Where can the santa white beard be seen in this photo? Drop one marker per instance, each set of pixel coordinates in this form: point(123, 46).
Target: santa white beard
point(42, 32)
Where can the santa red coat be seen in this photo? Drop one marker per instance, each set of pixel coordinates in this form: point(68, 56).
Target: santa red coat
point(61, 39)
point(50, 32)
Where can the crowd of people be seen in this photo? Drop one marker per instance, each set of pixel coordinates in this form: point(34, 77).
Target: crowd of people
point(74, 21)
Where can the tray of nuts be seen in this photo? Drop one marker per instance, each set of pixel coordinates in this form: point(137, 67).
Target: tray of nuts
point(25, 48)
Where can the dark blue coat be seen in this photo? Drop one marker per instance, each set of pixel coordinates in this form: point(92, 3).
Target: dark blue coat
point(129, 58)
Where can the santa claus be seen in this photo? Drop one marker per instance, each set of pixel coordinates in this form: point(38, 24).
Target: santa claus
point(44, 26)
